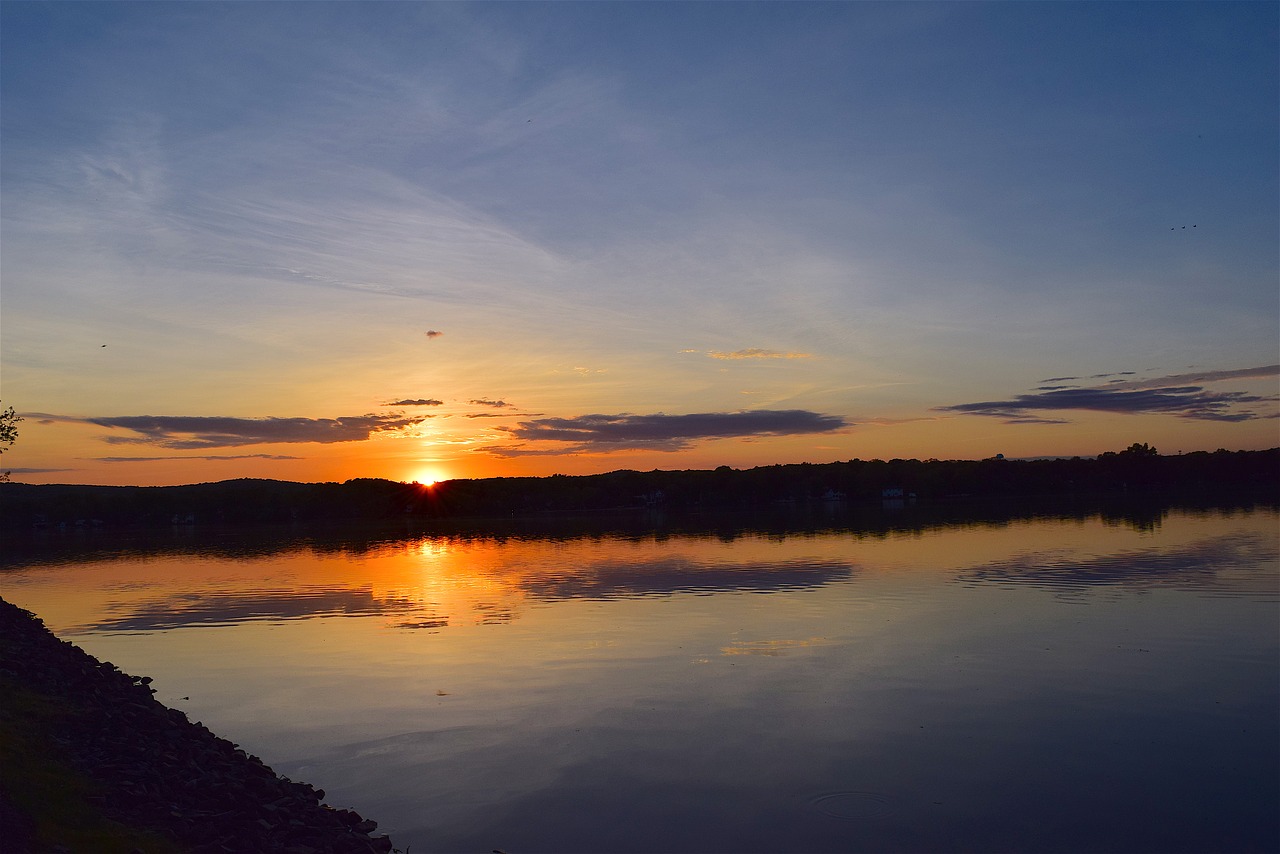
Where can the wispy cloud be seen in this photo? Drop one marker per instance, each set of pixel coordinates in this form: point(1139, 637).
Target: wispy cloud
point(753, 353)
point(1261, 372)
point(184, 432)
point(421, 401)
point(659, 432)
point(198, 457)
point(1167, 395)
point(1090, 377)
point(434, 333)
point(496, 404)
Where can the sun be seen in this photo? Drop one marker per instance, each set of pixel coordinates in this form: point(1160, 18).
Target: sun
point(429, 477)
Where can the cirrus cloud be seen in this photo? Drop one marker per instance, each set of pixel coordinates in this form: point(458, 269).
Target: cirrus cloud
point(214, 457)
point(752, 353)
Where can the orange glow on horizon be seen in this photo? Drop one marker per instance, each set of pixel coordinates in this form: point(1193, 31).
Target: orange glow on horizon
point(73, 453)
point(430, 476)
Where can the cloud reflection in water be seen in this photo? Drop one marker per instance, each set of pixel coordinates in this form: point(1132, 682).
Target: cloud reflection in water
point(1194, 565)
point(665, 577)
point(210, 609)
point(598, 580)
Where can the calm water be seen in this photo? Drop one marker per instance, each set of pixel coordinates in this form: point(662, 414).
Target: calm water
point(1039, 684)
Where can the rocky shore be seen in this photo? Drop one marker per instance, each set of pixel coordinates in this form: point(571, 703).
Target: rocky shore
point(101, 744)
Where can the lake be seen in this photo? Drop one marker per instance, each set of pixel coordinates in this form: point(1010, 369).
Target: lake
point(898, 681)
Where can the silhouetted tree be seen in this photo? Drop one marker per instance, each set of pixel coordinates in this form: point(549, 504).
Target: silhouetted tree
point(8, 433)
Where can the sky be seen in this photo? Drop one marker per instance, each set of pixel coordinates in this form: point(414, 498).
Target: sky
point(420, 241)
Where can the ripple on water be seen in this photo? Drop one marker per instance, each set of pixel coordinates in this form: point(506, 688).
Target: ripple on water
point(852, 806)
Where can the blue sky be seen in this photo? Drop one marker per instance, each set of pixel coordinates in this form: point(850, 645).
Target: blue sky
point(687, 234)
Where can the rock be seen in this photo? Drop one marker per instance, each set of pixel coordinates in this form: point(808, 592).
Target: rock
point(159, 771)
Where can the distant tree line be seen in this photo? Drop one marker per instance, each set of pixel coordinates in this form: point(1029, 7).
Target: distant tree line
point(227, 502)
point(1137, 470)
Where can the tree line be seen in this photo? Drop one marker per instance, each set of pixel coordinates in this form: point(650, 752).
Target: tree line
point(1137, 470)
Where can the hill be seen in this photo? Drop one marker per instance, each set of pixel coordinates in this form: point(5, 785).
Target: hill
point(1136, 470)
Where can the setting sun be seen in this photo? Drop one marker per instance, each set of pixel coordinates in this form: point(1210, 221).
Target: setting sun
point(429, 477)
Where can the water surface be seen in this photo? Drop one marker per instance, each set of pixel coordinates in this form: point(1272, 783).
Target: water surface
point(1064, 683)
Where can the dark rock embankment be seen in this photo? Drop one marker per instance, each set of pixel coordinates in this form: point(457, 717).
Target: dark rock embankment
point(145, 768)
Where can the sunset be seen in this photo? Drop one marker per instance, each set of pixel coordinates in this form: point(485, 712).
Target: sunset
point(314, 242)
point(781, 427)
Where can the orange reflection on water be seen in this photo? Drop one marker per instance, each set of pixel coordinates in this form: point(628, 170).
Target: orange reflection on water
point(437, 582)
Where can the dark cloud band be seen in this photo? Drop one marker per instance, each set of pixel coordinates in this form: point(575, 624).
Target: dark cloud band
point(660, 432)
point(1168, 395)
point(180, 432)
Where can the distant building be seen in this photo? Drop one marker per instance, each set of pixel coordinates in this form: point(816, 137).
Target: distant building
point(652, 499)
point(894, 497)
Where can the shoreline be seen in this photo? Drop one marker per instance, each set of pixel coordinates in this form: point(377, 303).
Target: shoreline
point(93, 759)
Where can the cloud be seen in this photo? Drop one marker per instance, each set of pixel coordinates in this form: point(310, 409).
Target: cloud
point(754, 353)
point(497, 404)
point(879, 421)
point(182, 432)
point(422, 401)
point(434, 333)
point(207, 457)
point(1202, 377)
point(34, 471)
point(660, 432)
point(1160, 395)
